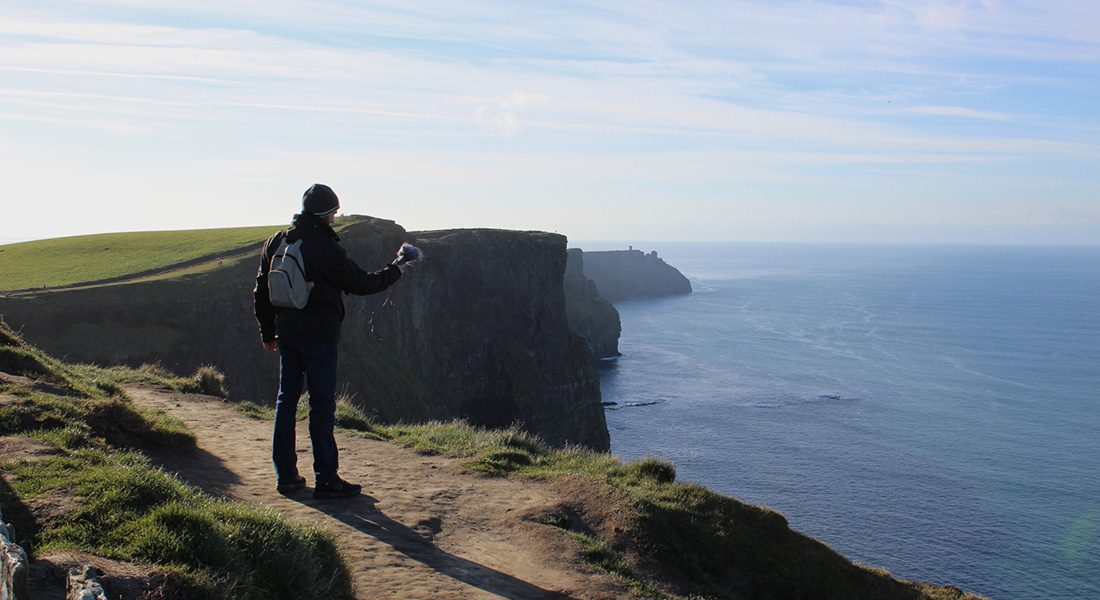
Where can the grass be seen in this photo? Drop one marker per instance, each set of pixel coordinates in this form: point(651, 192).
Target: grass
point(267, 413)
point(115, 504)
point(348, 415)
point(85, 258)
point(128, 510)
point(59, 396)
point(110, 256)
point(105, 420)
point(602, 556)
point(206, 379)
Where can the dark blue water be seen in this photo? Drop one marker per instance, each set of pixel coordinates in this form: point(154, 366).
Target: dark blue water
point(932, 410)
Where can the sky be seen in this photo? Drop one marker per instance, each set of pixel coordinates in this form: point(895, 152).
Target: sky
point(846, 121)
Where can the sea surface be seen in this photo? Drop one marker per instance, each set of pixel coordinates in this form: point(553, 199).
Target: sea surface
point(934, 410)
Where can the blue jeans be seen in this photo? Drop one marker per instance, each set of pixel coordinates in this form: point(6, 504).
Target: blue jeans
point(316, 364)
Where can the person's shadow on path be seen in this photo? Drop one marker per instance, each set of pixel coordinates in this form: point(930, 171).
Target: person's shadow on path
point(198, 467)
point(360, 512)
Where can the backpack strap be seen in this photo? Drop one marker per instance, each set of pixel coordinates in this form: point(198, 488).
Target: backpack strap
point(274, 245)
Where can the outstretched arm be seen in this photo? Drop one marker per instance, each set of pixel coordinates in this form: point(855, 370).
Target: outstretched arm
point(353, 280)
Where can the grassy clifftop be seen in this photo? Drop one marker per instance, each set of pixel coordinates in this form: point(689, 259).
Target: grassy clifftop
point(87, 258)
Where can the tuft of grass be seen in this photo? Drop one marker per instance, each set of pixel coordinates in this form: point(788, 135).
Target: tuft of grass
point(249, 552)
point(114, 377)
point(206, 380)
point(71, 437)
point(80, 405)
point(8, 337)
point(265, 413)
point(652, 468)
point(350, 416)
point(34, 411)
point(168, 431)
point(20, 361)
point(115, 420)
point(457, 438)
point(604, 557)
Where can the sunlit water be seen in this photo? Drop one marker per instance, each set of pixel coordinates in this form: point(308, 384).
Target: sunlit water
point(932, 410)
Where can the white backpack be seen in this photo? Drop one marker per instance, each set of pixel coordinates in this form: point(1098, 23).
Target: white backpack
point(286, 281)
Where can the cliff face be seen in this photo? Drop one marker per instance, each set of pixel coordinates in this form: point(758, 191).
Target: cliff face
point(590, 316)
point(479, 331)
point(485, 326)
point(626, 274)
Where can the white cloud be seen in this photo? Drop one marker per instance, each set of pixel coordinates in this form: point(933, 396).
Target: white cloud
point(962, 112)
point(113, 127)
point(502, 116)
point(510, 98)
point(498, 119)
point(109, 33)
point(524, 100)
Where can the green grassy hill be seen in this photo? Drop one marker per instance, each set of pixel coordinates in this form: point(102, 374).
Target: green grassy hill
point(88, 258)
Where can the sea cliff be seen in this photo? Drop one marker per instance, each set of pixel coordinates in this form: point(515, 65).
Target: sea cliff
point(477, 331)
point(627, 274)
point(590, 316)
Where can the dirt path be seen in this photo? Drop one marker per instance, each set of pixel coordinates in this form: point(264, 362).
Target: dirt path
point(424, 527)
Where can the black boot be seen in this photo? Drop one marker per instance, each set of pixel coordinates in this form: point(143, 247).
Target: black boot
point(291, 485)
point(336, 488)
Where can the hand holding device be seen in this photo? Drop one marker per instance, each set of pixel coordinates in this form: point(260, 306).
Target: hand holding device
point(406, 255)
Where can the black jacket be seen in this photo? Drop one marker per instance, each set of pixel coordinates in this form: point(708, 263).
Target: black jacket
point(327, 265)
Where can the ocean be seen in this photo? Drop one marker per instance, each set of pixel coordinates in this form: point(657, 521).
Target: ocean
point(934, 410)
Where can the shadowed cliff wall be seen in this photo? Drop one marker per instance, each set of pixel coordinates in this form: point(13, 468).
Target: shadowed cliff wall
point(479, 330)
point(626, 274)
point(590, 316)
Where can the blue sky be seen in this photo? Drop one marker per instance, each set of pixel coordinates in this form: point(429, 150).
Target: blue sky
point(894, 121)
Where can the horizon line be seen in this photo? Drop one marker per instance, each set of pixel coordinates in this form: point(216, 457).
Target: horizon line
point(629, 243)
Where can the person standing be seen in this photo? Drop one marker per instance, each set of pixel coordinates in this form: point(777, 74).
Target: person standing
point(307, 339)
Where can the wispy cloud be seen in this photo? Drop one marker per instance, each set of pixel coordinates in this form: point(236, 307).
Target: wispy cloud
point(693, 95)
point(115, 127)
point(503, 116)
point(962, 112)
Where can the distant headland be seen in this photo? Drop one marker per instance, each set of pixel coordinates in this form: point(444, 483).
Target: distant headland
point(629, 274)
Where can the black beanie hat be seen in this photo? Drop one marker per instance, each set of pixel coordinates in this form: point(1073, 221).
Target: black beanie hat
point(320, 200)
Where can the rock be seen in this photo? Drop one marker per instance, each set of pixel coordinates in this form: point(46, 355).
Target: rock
point(13, 565)
point(626, 274)
point(590, 316)
point(83, 584)
point(482, 324)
